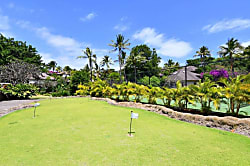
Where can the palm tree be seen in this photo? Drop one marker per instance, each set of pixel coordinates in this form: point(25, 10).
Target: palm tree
point(234, 93)
point(52, 65)
point(67, 69)
point(203, 53)
point(106, 61)
point(58, 68)
point(231, 50)
point(89, 55)
point(205, 93)
point(97, 68)
point(120, 44)
point(134, 60)
point(246, 51)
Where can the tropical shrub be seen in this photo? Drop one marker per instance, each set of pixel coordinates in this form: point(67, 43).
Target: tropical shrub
point(234, 93)
point(206, 92)
point(83, 90)
point(153, 94)
point(19, 91)
point(97, 88)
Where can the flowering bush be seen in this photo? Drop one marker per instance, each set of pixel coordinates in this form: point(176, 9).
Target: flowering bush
point(215, 74)
point(218, 74)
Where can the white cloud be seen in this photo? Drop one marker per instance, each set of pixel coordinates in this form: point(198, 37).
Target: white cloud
point(245, 44)
point(166, 47)
point(4, 23)
point(67, 48)
point(233, 24)
point(5, 26)
point(90, 16)
point(124, 18)
point(162, 63)
point(121, 27)
point(46, 57)
point(11, 5)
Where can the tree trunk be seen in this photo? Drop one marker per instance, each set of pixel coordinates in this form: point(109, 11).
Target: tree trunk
point(135, 73)
point(125, 77)
point(232, 105)
point(238, 109)
point(120, 66)
point(186, 103)
point(90, 65)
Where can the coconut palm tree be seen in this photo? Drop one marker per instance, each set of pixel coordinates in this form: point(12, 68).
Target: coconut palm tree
point(120, 44)
point(89, 55)
point(97, 67)
point(106, 61)
point(67, 69)
point(203, 53)
point(52, 65)
point(246, 51)
point(134, 60)
point(230, 50)
point(58, 68)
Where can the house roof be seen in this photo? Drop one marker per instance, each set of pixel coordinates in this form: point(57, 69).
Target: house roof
point(43, 76)
point(180, 75)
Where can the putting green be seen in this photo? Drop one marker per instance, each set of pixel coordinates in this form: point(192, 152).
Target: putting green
point(80, 131)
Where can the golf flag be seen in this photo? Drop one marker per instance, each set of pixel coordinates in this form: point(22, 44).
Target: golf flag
point(134, 115)
point(37, 104)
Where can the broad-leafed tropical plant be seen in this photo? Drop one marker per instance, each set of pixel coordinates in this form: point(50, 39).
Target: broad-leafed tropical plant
point(97, 88)
point(205, 93)
point(154, 93)
point(167, 96)
point(234, 93)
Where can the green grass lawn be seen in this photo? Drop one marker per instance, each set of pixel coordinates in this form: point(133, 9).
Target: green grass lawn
point(79, 131)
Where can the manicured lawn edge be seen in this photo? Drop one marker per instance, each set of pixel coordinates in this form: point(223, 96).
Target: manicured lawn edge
point(227, 123)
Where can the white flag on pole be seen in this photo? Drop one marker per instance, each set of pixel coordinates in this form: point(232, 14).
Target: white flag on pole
point(134, 115)
point(37, 104)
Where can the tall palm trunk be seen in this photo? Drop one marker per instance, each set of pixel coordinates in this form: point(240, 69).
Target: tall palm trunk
point(135, 73)
point(120, 65)
point(232, 64)
point(90, 66)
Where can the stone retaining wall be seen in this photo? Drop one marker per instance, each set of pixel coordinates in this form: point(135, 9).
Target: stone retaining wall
point(228, 123)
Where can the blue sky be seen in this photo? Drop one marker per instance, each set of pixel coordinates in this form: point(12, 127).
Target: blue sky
point(61, 29)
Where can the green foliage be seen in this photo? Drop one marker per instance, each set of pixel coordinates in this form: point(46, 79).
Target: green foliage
point(19, 91)
point(11, 50)
point(154, 81)
point(235, 94)
point(97, 88)
point(120, 45)
point(76, 78)
point(206, 93)
point(145, 60)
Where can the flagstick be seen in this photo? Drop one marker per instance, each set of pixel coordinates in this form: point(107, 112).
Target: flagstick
point(34, 112)
point(130, 124)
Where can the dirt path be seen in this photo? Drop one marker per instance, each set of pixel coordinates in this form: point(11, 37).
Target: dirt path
point(12, 105)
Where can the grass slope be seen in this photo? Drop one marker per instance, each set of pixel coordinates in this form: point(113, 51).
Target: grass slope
point(79, 131)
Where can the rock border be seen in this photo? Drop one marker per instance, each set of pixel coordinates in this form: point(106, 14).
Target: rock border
point(227, 123)
point(15, 108)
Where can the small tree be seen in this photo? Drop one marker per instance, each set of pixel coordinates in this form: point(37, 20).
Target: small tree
point(19, 72)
